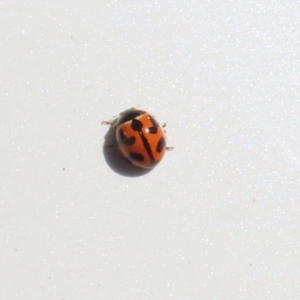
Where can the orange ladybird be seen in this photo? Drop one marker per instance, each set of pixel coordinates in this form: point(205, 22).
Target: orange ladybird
point(140, 138)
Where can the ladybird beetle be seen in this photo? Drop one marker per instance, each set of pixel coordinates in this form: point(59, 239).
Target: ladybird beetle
point(140, 138)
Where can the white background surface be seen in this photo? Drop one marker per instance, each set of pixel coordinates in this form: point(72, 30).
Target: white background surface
point(218, 218)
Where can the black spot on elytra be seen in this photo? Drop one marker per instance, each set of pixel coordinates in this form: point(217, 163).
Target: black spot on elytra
point(153, 129)
point(161, 144)
point(127, 141)
point(136, 125)
point(136, 156)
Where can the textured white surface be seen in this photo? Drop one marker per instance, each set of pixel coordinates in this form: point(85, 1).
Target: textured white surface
point(218, 218)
